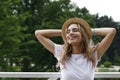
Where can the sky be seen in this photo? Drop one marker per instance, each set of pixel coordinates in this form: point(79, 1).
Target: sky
point(102, 7)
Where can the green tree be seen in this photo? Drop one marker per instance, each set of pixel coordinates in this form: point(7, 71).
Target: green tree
point(11, 34)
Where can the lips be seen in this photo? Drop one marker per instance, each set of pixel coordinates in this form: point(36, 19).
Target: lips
point(71, 37)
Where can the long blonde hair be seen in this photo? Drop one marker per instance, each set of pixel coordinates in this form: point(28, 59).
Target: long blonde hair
point(86, 46)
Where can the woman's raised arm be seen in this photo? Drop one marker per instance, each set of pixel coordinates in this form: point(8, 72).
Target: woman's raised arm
point(44, 35)
point(108, 34)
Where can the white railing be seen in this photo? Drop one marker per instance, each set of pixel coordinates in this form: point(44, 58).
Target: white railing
point(52, 75)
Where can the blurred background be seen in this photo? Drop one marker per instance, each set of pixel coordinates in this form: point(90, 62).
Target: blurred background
point(20, 51)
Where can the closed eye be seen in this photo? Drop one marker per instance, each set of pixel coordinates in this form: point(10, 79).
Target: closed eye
point(75, 30)
point(72, 30)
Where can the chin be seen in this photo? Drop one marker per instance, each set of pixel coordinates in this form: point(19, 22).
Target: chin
point(72, 43)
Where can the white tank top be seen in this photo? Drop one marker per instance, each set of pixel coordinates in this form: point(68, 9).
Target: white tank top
point(77, 67)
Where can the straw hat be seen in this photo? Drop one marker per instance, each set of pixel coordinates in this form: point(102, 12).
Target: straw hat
point(80, 21)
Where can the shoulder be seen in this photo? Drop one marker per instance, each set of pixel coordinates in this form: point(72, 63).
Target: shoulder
point(58, 49)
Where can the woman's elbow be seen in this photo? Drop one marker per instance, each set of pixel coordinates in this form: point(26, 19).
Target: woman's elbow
point(113, 31)
point(37, 33)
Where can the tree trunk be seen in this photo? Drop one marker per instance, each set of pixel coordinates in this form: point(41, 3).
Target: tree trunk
point(25, 67)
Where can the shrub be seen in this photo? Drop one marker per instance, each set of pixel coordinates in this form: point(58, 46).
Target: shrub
point(107, 64)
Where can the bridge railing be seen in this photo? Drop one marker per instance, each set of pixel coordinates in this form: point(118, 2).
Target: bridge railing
point(52, 75)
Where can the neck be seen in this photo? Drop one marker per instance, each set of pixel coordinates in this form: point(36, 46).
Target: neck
point(77, 49)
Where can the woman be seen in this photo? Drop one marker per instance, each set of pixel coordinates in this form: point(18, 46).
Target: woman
point(77, 57)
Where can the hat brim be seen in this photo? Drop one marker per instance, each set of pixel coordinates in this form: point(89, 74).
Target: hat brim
point(80, 21)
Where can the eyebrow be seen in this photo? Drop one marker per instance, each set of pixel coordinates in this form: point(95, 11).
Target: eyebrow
point(72, 28)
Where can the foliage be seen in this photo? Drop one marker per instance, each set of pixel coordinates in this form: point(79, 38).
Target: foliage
point(10, 35)
point(104, 70)
point(107, 64)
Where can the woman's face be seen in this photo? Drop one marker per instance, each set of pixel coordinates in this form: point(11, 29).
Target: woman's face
point(73, 34)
